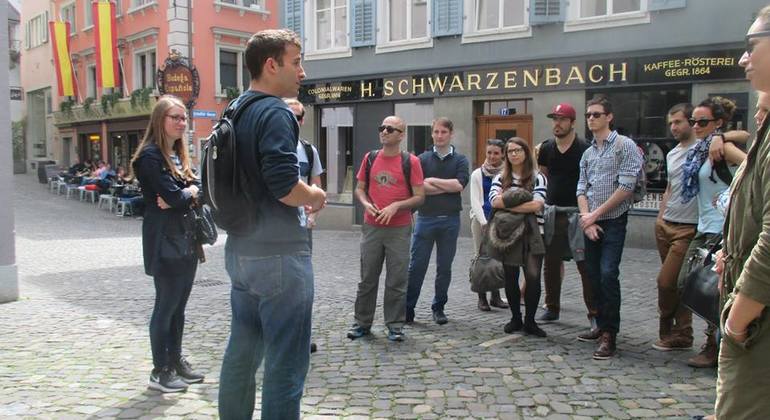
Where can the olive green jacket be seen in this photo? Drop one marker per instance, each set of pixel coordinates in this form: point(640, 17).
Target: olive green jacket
point(747, 226)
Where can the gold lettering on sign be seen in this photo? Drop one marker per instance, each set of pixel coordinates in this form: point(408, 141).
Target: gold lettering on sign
point(492, 80)
point(591, 74)
point(437, 84)
point(510, 79)
point(367, 90)
point(534, 80)
point(552, 76)
point(416, 85)
point(388, 88)
point(457, 82)
point(405, 84)
point(575, 74)
point(621, 72)
point(474, 79)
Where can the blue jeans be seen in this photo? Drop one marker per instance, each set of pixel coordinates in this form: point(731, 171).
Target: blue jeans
point(442, 231)
point(603, 267)
point(272, 301)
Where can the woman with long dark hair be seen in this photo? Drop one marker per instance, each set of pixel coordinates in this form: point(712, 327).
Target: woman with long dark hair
point(169, 186)
point(520, 172)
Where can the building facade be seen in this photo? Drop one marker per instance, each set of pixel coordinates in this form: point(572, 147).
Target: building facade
point(107, 124)
point(497, 67)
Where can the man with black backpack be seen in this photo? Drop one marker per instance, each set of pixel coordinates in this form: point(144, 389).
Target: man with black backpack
point(268, 255)
point(390, 184)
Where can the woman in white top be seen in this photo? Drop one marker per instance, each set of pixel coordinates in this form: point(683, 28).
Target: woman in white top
point(520, 170)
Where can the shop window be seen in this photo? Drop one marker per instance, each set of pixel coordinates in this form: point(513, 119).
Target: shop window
point(420, 138)
point(335, 149)
point(504, 107)
point(418, 117)
point(145, 69)
point(67, 14)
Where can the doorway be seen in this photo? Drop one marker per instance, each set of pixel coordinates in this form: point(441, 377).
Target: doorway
point(500, 127)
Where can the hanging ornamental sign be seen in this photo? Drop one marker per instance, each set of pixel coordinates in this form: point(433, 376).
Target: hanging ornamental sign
point(179, 78)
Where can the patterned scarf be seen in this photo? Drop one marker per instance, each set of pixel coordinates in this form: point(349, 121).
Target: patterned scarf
point(693, 161)
point(491, 171)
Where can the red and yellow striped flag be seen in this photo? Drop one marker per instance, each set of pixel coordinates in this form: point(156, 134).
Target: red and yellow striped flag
point(105, 38)
point(60, 41)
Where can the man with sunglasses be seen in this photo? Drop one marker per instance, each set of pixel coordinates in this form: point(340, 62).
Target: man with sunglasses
point(387, 197)
point(438, 219)
point(609, 170)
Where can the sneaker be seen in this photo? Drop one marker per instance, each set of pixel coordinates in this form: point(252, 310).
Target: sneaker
point(439, 317)
point(185, 373)
point(591, 335)
point(357, 331)
point(672, 344)
point(514, 325)
point(165, 380)
point(547, 317)
point(607, 348)
point(395, 334)
point(533, 329)
point(409, 315)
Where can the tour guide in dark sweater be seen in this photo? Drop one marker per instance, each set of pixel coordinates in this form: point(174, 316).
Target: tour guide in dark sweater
point(438, 219)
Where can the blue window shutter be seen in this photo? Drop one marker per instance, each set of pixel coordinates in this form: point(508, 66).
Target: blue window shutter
point(292, 16)
point(666, 4)
point(447, 17)
point(363, 19)
point(545, 11)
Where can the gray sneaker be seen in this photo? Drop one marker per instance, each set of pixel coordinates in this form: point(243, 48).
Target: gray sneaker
point(165, 380)
point(547, 317)
point(395, 334)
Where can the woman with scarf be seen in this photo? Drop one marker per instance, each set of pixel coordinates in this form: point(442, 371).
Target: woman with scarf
point(705, 181)
point(519, 178)
point(481, 181)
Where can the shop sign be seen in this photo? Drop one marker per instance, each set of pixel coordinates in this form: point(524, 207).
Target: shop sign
point(715, 65)
point(179, 78)
point(16, 93)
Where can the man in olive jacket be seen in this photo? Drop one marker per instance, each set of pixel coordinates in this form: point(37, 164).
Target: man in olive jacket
point(744, 357)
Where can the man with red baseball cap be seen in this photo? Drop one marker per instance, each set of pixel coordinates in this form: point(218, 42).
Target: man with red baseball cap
point(559, 160)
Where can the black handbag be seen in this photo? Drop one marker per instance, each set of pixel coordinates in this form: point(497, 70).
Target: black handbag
point(701, 285)
point(205, 229)
point(486, 273)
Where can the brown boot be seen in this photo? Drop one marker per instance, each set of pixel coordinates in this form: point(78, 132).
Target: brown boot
point(483, 304)
point(707, 358)
point(496, 301)
point(606, 349)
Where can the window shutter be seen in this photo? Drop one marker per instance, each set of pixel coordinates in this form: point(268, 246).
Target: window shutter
point(545, 11)
point(363, 23)
point(666, 4)
point(292, 16)
point(447, 17)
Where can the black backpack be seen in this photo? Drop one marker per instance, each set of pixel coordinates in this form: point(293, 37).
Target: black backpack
point(227, 189)
point(310, 156)
point(406, 168)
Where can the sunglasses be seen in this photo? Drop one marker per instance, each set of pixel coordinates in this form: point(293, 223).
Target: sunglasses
point(703, 122)
point(389, 129)
point(749, 45)
point(595, 115)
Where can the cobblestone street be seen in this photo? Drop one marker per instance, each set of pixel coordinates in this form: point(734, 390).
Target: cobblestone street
point(76, 344)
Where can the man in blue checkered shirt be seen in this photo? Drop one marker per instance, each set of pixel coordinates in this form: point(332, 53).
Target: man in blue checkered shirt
point(608, 174)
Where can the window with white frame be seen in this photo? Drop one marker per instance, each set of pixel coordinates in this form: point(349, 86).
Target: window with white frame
point(499, 14)
point(135, 4)
point(36, 31)
point(232, 69)
point(331, 24)
point(254, 4)
point(593, 8)
point(88, 19)
point(67, 14)
point(145, 67)
point(91, 81)
point(118, 7)
point(407, 19)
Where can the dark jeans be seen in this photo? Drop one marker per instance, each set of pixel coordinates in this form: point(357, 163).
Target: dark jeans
point(167, 322)
point(272, 303)
point(442, 231)
point(531, 291)
point(603, 266)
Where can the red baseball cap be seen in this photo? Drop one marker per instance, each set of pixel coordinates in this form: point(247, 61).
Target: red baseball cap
point(564, 109)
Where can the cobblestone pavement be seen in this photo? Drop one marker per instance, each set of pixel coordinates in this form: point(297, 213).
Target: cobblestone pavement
point(76, 344)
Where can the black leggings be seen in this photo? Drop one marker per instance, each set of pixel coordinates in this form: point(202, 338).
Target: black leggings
point(531, 292)
point(167, 322)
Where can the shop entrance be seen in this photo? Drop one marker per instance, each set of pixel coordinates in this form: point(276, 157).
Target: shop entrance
point(500, 127)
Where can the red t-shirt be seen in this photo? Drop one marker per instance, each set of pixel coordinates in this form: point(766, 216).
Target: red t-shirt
point(387, 186)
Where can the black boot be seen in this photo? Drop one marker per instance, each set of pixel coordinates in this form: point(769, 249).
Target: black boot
point(483, 304)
